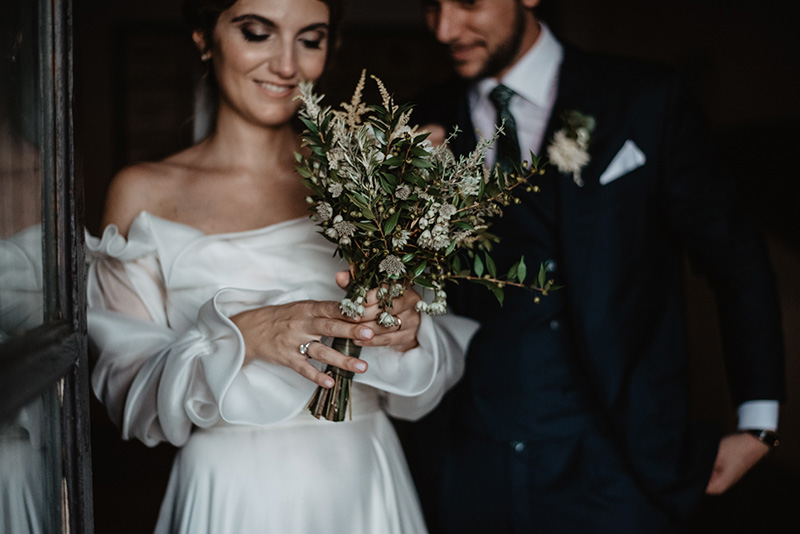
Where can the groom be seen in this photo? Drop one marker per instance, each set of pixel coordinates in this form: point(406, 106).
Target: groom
point(573, 413)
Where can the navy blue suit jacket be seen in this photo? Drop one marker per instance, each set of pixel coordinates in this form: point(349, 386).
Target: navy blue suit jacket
point(620, 248)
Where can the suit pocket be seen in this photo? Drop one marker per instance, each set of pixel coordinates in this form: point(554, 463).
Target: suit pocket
point(627, 159)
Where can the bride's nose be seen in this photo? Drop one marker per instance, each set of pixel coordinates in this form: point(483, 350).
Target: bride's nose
point(284, 62)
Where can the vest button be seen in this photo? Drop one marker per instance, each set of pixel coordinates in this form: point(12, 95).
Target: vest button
point(550, 265)
point(554, 324)
point(518, 446)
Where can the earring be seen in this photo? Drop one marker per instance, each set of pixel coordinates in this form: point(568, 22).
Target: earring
point(205, 56)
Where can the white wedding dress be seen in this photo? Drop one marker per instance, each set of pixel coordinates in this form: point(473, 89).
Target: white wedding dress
point(251, 458)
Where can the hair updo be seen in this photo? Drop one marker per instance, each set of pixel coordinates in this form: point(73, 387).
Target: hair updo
point(202, 16)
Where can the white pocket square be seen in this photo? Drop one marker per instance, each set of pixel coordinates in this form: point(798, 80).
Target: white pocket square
point(628, 158)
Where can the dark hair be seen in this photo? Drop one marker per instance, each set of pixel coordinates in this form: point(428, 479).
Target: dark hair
point(202, 15)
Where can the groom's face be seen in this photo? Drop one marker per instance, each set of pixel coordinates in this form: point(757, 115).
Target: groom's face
point(484, 37)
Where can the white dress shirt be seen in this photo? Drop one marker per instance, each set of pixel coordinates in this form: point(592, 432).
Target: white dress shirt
point(534, 79)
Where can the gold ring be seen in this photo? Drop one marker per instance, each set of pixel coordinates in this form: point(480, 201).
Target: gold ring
point(399, 322)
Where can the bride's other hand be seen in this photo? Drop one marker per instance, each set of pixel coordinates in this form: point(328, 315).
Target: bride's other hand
point(402, 337)
point(275, 334)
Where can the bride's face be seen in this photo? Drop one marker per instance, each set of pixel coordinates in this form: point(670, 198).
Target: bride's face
point(262, 49)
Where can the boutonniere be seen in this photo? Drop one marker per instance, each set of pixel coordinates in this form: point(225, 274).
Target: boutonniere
point(568, 151)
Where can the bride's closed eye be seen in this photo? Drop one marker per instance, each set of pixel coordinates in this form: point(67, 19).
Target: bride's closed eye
point(313, 40)
point(255, 34)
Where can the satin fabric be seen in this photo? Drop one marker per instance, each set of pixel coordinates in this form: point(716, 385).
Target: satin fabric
point(170, 368)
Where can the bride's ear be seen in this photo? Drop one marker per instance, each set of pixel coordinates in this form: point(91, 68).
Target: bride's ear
point(199, 39)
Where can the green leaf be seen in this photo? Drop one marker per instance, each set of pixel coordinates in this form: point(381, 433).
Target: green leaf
point(421, 137)
point(478, 266)
point(391, 222)
point(385, 185)
point(522, 270)
point(408, 257)
point(421, 163)
point(420, 269)
point(512, 272)
point(424, 282)
point(394, 161)
point(310, 125)
point(366, 226)
point(498, 293)
point(490, 267)
point(542, 275)
point(390, 178)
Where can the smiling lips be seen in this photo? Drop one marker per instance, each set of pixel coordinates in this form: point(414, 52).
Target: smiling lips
point(463, 52)
point(276, 90)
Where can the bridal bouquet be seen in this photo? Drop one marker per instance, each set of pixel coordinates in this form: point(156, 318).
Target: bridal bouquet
point(401, 212)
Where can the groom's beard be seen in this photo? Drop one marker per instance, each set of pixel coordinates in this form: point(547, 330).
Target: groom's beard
point(504, 55)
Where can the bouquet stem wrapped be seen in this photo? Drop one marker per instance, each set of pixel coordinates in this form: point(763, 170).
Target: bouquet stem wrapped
point(333, 403)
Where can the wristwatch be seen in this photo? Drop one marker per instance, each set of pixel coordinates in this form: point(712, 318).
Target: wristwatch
point(770, 437)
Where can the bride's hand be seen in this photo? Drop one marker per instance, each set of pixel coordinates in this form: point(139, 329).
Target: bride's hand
point(275, 334)
point(400, 338)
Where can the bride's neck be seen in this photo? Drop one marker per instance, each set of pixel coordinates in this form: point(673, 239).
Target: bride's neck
point(239, 144)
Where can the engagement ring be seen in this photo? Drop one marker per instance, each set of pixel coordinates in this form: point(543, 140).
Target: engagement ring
point(304, 347)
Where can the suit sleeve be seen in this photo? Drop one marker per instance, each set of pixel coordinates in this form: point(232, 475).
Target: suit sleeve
point(704, 212)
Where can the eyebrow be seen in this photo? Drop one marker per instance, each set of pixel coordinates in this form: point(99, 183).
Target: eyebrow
point(267, 22)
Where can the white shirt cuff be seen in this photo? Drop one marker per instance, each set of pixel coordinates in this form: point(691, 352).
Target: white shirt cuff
point(758, 414)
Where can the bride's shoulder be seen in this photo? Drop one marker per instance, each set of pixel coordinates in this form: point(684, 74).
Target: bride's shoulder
point(140, 187)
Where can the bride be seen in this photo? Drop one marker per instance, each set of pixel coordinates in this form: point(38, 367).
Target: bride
point(208, 278)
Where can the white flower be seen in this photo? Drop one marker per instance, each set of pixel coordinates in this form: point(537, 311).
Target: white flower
point(397, 290)
point(387, 320)
point(324, 211)
point(436, 308)
point(335, 189)
point(568, 151)
point(440, 238)
point(470, 185)
point(446, 211)
point(350, 308)
point(425, 239)
point(392, 265)
point(568, 155)
point(400, 239)
point(403, 192)
point(334, 156)
point(344, 229)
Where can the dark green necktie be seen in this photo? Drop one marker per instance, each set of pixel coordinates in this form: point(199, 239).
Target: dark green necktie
point(507, 146)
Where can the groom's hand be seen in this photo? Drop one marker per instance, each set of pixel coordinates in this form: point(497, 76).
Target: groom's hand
point(437, 133)
point(737, 454)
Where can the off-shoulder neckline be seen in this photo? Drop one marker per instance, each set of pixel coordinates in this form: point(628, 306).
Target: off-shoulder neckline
point(144, 214)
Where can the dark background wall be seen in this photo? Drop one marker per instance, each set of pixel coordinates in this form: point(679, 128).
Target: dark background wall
point(136, 70)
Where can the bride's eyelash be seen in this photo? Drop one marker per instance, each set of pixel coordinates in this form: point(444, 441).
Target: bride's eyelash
point(254, 37)
point(315, 44)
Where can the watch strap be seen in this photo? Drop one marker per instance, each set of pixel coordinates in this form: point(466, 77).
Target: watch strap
point(769, 437)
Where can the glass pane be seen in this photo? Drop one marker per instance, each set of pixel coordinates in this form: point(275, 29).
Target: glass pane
point(30, 455)
point(30, 443)
point(21, 294)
